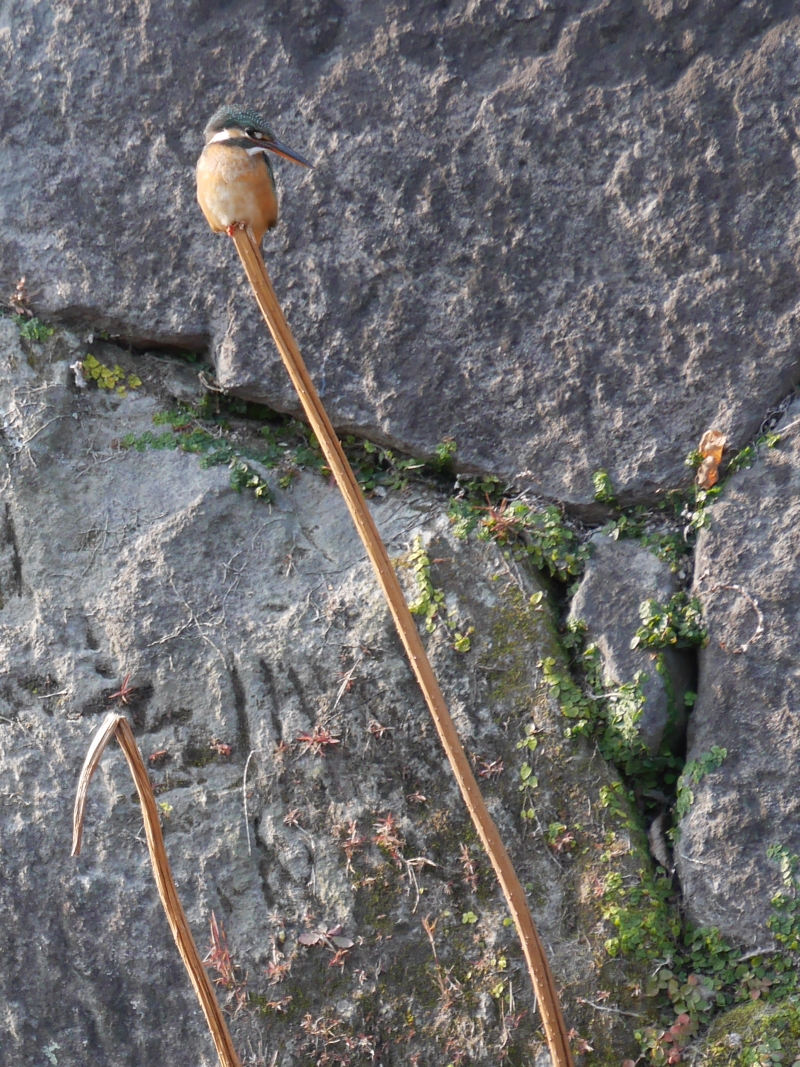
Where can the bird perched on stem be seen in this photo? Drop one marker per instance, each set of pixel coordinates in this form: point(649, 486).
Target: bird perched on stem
point(235, 180)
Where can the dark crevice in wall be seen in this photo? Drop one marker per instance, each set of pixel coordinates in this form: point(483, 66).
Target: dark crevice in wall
point(105, 328)
point(15, 584)
point(242, 722)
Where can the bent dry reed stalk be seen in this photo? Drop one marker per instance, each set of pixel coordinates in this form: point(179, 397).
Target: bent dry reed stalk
point(538, 967)
point(117, 726)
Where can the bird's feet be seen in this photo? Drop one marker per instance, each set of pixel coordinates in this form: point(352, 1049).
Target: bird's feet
point(235, 226)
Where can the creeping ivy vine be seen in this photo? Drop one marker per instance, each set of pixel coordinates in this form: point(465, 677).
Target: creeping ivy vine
point(693, 773)
point(679, 623)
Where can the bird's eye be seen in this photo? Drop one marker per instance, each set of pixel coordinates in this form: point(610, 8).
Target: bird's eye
point(255, 135)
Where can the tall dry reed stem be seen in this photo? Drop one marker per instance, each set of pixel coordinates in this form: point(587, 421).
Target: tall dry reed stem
point(541, 975)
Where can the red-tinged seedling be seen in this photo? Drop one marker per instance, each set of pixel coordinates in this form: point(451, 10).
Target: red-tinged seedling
point(219, 959)
point(512, 1021)
point(333, 938)
point(318, 740)
point(353, 842)
point(559, 838)
point(501, 523)
point(388, 838)
point(280, 1005)
point(347, 680)
point(564, 842)
point(124, 691)
point(377, 730)
point(470, 871)
point(278, 970)
point(490, 768)
point(579, 1044)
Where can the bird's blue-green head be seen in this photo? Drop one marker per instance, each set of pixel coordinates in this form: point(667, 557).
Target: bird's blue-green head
point(247, 129)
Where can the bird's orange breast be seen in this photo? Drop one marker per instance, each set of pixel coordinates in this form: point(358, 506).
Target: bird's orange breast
point(233, 187)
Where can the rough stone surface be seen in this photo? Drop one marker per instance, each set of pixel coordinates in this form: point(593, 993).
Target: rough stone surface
point(563, 233)
point(619, 576)
point(748, 698)
point(244, 626)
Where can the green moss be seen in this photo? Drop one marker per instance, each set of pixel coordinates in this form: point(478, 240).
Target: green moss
point(378, 894)
point(754, 1033)
point(518, 624)
point(199, 755)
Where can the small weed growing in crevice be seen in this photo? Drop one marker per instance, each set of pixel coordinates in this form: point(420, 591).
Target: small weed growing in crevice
point(108, 377)
point(379, 469)
point(603, 488)
point(746, 457)
point(33, 329)
point(669, 530)
point(544, 537)
point(229, 431)
point(206, 431)
point(677, 624)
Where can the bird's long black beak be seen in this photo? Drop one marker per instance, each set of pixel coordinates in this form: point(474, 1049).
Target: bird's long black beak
point(281, 149)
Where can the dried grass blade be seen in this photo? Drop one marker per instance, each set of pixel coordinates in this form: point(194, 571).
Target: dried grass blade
point(176, 917)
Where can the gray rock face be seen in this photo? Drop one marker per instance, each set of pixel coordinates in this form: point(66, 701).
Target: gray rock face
point(245, 627)
point(619, 576)
point(562, 233)
point(748, 698)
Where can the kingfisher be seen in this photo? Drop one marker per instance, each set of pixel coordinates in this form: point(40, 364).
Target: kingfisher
point(235, 180)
